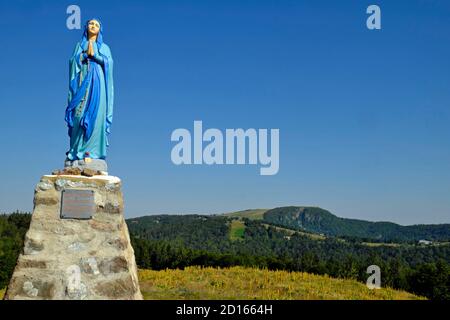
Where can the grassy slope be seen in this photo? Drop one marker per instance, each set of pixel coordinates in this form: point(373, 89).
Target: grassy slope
point(248, 283)
point(256, 214)
point(237, 229)
point(314, 236)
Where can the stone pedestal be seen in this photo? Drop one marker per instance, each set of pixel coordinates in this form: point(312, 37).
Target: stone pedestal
point(66, 258)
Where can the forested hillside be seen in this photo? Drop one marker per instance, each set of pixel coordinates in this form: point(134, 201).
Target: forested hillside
point(12, 232)
point(168, 241)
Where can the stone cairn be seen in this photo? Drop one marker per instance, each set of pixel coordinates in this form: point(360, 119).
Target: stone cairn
point(76, 259)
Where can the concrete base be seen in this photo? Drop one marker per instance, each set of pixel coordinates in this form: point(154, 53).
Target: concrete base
point(71, 259)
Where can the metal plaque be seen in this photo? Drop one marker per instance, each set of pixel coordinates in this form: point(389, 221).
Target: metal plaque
point(77, 204)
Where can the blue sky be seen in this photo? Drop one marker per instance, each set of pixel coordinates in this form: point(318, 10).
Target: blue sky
point(363, 115)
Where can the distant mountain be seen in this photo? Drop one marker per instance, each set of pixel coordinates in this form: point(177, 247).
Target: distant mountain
point(318, 220)
point(222, 234)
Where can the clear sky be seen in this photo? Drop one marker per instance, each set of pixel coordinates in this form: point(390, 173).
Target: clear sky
point(363, 115)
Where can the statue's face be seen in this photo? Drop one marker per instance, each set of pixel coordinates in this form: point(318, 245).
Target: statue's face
point(93, 27)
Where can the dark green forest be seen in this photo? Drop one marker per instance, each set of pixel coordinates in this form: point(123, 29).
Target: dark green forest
point(12, 232)
point(168, 241)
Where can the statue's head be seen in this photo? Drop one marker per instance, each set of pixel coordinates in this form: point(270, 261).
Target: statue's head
point(93, 27)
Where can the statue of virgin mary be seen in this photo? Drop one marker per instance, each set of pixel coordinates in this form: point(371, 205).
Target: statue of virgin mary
point(89, 112)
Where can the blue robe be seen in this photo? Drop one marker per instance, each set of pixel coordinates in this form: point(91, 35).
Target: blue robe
point(89, 112)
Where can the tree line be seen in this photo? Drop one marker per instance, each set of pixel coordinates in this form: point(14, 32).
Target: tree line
point(179, 241)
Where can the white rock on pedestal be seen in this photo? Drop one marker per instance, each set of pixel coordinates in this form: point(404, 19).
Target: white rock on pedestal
point(66, 259)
